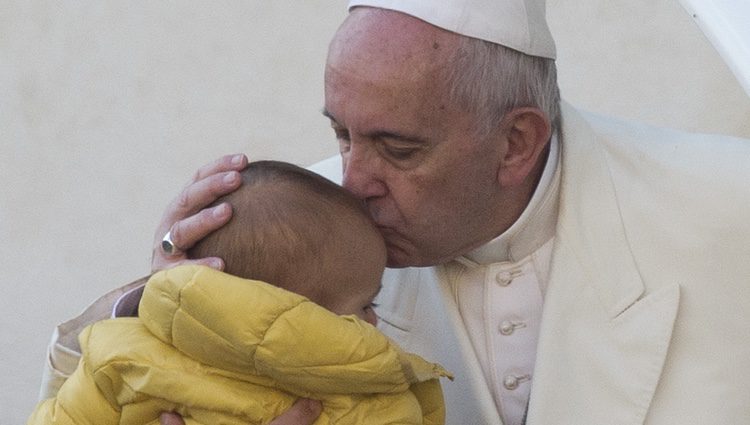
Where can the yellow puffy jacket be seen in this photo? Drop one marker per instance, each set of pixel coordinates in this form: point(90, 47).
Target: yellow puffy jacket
point(223, 350)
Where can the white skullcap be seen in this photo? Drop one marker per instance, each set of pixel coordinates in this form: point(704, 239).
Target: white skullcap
point(518, 24)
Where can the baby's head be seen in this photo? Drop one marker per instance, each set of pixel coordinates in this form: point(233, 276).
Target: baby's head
point(297, 230)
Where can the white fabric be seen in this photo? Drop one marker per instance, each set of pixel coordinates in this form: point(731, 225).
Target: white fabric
point(518, 24)
point(500, 292)
point(726, 23)
point(642, 318)
point(501, 308)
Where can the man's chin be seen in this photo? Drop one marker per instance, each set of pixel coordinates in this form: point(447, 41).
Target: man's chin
point(396, 260)
point(398, 257)
point(401, 253)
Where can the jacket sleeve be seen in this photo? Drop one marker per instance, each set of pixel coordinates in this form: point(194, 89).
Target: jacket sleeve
point(64, 352)
point(79, 401)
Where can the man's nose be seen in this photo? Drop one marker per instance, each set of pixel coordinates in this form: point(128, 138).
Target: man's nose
point(362, 175)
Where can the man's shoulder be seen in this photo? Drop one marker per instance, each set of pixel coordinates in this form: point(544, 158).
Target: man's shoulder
point(656, 156)
point(650, 137)
point(329, 168)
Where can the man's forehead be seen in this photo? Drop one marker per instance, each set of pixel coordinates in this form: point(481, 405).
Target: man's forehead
point(390, 37)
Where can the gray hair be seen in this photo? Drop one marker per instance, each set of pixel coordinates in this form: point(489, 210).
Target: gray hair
point(490, 80)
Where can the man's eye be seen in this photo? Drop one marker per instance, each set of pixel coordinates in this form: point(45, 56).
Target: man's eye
point(401, 154)
point(341, 134)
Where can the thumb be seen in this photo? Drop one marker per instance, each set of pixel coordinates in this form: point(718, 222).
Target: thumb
point(303, 412)
point(170, 418)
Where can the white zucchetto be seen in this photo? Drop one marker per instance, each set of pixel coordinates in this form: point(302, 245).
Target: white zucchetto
point(518, 24)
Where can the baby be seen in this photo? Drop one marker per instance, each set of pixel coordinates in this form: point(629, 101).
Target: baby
point(299, 231)
point(227, 347)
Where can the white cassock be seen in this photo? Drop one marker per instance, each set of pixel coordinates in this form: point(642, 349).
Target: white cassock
point(645, 308)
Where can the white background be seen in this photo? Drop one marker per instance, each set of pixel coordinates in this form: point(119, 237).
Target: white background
point(107, 107)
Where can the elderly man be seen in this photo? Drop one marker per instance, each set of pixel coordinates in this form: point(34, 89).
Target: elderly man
point(567, 268)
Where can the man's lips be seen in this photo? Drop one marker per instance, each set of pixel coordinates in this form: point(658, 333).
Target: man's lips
point(384, 228)
point(389, 233)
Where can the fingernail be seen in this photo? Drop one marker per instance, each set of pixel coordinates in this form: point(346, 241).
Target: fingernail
point(311, 406)
point(237, 159)
point(215, 263)
point(221, 211)
point(231, 178)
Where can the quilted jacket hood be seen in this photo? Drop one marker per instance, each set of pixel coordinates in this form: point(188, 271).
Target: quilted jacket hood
point(251, 327)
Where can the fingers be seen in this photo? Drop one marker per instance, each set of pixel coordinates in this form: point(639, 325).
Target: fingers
point(303, 412)
point(187, 218)
point(199, 195)
point(235, 162)
point(213, 262)
point(209, 183)
point(169, 418)
point(185, 233)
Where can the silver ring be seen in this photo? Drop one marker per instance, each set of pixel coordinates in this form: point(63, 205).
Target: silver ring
point(168, 246)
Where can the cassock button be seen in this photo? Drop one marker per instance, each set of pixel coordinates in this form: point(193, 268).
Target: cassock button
point(504, 278)
point(507, 328)
point(510, 382)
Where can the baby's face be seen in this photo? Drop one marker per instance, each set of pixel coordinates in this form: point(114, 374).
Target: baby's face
point(359, 275)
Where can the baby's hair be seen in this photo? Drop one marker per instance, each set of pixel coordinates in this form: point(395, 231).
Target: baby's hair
point(285, 222)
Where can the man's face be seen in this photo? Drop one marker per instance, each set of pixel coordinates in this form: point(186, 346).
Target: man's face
point(408, 152)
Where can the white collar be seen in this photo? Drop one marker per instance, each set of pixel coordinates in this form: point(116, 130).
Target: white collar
point(534, 227)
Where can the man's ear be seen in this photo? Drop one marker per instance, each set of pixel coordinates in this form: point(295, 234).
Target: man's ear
point(526, 131)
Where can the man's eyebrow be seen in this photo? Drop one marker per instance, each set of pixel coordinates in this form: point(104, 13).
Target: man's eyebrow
point(384, 134)
point(381, 134)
